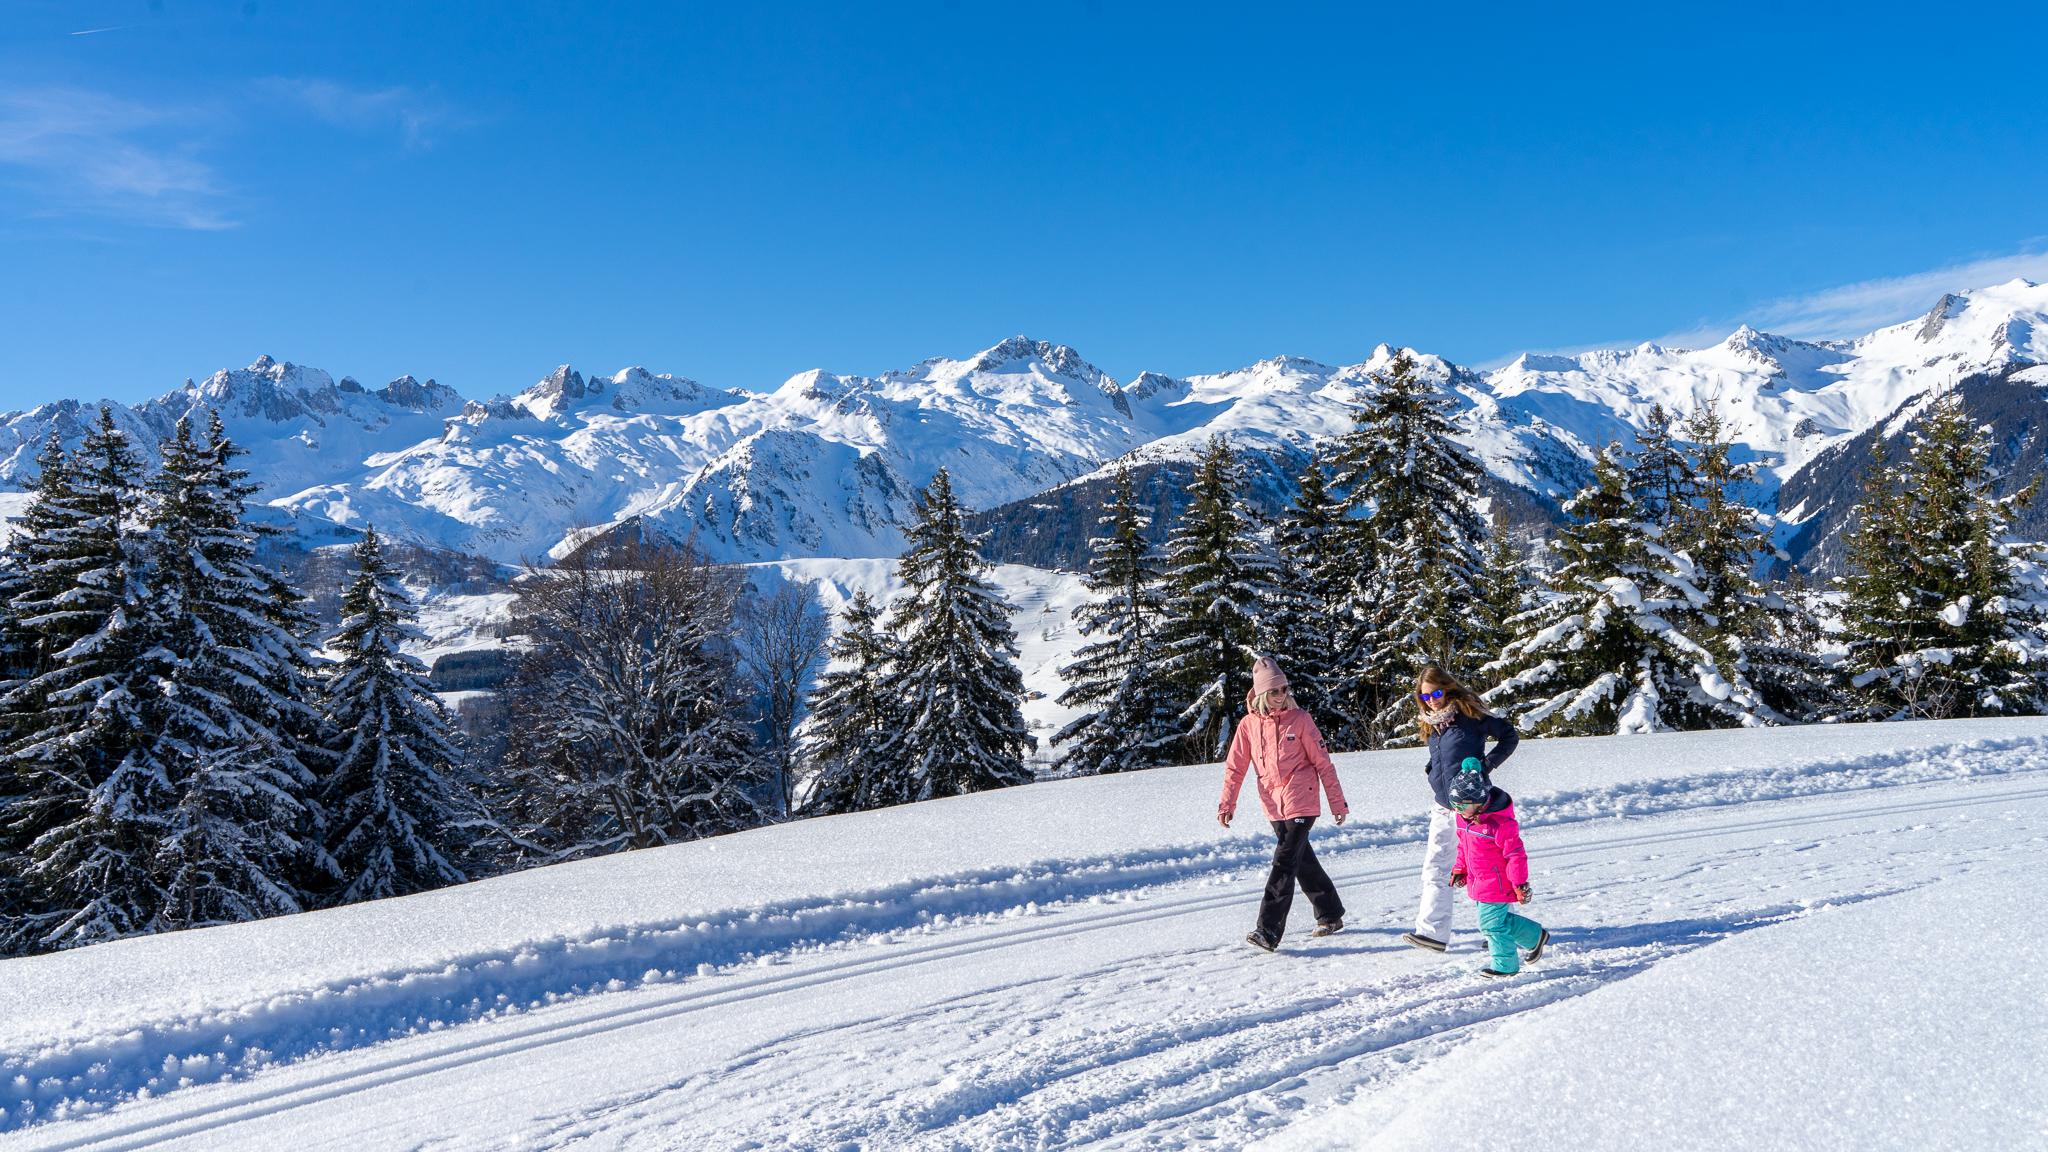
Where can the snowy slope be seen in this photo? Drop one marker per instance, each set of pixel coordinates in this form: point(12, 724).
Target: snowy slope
point(826, 464)
point(1049, 966)
point(1838, 1043)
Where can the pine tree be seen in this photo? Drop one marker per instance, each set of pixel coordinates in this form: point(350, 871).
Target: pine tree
point(1130, 719)
point(1504, 590)
point(853, 713)
point(963, 728)
point(231, 694)
point(1723, 537)
point(1932, 578)
point(1422, 562)
point(1314, 605)
point(20, 658)
point(19, 662)
point(1791, 663)
point(397, 810)
point(1661, 476)
point(1600, 654)
point(1218, 576)
point(2025, 610)
point(93, 793)
point(1749, 627)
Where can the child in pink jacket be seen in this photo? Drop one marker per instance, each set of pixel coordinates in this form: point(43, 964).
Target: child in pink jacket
point(1279, 741)
point(1493, 867)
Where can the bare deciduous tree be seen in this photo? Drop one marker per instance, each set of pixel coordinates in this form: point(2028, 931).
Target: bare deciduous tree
point(626, 714)
point(782, 640)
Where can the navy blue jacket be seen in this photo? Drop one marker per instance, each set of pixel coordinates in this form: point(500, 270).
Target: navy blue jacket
point(1468, 737)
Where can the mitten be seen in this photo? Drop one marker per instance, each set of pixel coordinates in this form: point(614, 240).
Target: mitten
point(1457, 879)
point(1524, 893)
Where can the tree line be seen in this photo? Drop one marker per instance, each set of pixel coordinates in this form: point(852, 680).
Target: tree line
point(182, 745)
point(1661, 603)
point(173, 753)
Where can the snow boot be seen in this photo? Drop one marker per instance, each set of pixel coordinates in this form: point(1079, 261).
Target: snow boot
point(1330, 928)
point(1257, 939)
point(1426, 943)
point(1536, 953)
point(1495, 974)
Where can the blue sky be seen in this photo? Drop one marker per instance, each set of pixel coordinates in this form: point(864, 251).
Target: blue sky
point(739, 192)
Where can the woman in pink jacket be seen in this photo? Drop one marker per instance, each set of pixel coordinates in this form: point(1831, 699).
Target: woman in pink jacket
point(1279, 742)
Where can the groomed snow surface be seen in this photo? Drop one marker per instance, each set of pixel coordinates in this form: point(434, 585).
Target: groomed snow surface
point(1793, 938)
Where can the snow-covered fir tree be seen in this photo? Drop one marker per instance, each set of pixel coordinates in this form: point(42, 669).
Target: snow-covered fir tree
point(1747, 625)
point(19, 662)
point(2025, 609)
point(1724, 538)
point(93, 793)
point(398, 820)
point(1661, 475)
point(1314, 606)
point(1600, 654)
point(1792, 662)
point(234, 712)
point(1504, 589)
point(1934, 626)
point(1130, 720)
point(1219, 575)
point(845, 742)
point(1423, 574)
point(956, 673)
point(232, 694)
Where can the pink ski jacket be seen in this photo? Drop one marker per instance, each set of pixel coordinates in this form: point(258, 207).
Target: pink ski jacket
point(1490, 855)
point(1286, 753)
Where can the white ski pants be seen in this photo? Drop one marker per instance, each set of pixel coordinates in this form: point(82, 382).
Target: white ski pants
point(1433, 918)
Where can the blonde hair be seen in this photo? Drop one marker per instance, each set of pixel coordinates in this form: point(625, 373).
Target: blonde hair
point(1456, 696)
point(1264, 703)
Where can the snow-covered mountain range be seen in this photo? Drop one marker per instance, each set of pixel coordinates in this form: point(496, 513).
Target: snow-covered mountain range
point(826, 465)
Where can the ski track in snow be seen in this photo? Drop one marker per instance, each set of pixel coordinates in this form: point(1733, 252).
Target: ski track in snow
point(233, 1044)
point(1021, 1066)
point(1145, 1046)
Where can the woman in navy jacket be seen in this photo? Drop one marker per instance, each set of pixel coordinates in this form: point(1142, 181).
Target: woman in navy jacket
point(1455, 726)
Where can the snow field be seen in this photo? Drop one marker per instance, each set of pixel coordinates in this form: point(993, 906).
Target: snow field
point(82, 1031)
point(1147, 1026)
point(1905, 1021)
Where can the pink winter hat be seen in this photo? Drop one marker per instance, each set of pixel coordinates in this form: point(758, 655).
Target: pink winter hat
point(1267, 676)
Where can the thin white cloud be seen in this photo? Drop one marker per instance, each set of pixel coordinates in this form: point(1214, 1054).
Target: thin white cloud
point(1836, 313)
point(416, 115)
point(1854, 309)
point(87, 153)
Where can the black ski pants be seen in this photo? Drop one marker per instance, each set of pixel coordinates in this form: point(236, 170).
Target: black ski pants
point(1295, 861)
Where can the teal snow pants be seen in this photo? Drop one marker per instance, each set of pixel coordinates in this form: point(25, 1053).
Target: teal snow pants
point(1505, 932)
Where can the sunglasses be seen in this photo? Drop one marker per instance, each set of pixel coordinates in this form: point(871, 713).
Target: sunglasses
point(1430, 696)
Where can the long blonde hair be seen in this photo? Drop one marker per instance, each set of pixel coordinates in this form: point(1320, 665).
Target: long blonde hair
point(1456, 695)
